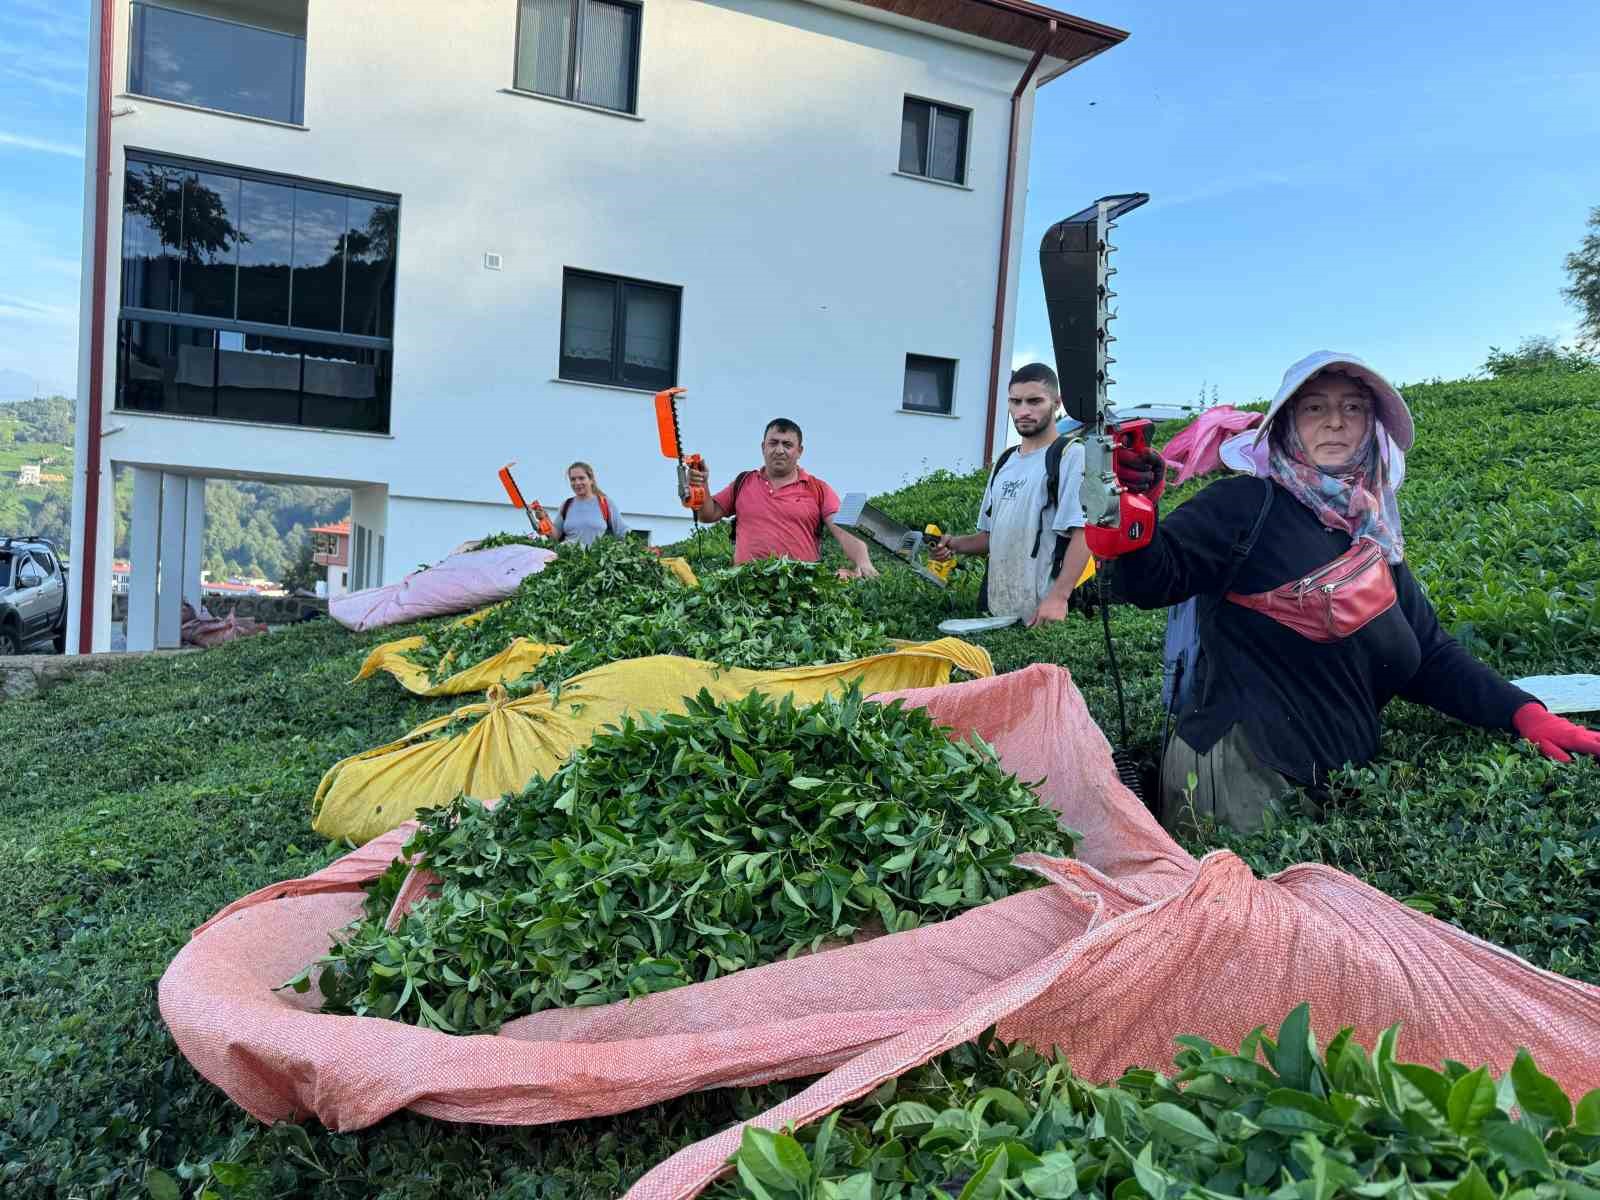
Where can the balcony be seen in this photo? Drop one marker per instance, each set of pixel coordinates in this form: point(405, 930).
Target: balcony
point(250, 61)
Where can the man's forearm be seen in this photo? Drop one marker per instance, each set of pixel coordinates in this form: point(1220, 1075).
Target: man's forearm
point(971, 543)
point(709, 512)
point(854, 548)
point(1072, 565)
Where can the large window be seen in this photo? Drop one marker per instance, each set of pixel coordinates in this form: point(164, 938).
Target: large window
point(933, 140)
point(930, 384)
point(210, 62)
point(619, 331)
point(583, 50)
point(253, 297)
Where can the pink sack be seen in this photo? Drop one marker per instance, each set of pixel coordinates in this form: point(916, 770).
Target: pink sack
point(457, 584)
point(203, 630)
point(1124, 949)
point(1196, 448)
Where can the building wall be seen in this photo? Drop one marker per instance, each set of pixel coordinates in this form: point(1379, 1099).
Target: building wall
point(760, 178)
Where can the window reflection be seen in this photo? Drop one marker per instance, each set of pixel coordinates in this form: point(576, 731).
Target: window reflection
point(251, 377)
point(216, 63)
point(242, 253)
point(266, 222)
point(152, 224)
point(320, 222)
point(370, 241)
point(210, 245)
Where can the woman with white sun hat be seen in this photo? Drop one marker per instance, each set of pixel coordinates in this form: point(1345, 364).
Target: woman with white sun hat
point(1309, 619)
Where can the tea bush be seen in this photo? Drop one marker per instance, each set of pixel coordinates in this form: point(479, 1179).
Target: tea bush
point(136, 805)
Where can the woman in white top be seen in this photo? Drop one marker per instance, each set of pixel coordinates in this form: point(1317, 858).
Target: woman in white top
point(587, 514)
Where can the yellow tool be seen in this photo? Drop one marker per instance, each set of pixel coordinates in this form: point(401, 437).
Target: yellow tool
point(941, 569)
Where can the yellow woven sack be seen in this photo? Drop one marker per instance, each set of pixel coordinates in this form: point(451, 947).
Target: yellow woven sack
point(511, 741)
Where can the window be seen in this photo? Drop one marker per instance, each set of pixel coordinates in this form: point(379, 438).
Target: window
point(210, 62)
point(252, 297)
point(619, 331)
point(583, 50)
point(933, 140)
point(930, 384)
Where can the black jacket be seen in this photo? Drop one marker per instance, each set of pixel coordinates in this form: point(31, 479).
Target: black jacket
point(1306, 707)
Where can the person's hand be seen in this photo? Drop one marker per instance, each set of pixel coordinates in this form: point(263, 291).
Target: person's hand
point(1050, 609)
point(1140, 471)
point(942, 550)
point(698, 478)
point(864, 571)
point(1554, 735)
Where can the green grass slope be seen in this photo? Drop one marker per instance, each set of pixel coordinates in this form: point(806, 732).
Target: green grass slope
point(138, 804)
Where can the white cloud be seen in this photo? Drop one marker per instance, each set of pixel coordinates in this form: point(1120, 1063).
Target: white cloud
point(1024, 356)
point(24, 142)
point(17, 309)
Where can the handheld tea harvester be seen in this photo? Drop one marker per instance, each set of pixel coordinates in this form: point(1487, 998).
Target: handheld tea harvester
point(1075, 262)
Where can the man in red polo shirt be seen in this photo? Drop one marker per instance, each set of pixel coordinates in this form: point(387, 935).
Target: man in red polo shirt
point(781, 508)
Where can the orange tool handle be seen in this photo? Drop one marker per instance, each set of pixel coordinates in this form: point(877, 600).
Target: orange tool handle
point(514, 493)
point(692, 495)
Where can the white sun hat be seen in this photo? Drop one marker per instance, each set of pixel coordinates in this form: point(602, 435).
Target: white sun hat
point(1248, 451)
point(1392, 411)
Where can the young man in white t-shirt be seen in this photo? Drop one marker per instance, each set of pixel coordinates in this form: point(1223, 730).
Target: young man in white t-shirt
point(1017, 529)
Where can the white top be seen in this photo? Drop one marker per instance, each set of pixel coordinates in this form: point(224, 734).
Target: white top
point(1009, 514)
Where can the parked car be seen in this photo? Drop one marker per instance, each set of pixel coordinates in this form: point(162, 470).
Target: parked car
point(33, 594)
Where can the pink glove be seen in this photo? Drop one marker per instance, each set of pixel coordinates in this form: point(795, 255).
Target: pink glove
point(1554, 735)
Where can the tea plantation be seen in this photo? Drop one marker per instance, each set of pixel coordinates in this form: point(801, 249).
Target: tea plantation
point(134, 806)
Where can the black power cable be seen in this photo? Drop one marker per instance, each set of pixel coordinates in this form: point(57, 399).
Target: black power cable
point(1127, 765)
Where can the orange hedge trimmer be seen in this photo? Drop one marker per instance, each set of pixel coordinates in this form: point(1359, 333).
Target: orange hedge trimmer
point(691, 496)
point(537, 517)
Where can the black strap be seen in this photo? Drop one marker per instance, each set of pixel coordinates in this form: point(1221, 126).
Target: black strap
point(1241, 550)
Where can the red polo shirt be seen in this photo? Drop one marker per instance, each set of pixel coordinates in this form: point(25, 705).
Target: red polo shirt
point(778, 522)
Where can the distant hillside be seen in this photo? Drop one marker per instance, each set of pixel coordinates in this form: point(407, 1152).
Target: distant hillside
point(251, 528)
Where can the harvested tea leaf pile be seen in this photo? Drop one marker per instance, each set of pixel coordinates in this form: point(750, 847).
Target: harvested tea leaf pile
point(986, 1121)
point(578, 593)
point(765, 614)
point(613, 601)
point(676, 849)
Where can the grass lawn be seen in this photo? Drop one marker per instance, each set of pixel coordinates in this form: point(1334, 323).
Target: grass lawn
point(135, 805)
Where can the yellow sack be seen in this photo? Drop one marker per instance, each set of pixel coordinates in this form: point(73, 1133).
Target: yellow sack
point(512, 741)
point(515, 661)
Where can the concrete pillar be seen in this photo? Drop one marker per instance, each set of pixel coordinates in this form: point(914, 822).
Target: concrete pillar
point(194, 541)
point(144, 549)
point(169, 591)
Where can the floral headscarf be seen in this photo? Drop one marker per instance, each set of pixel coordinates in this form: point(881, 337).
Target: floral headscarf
point(1355, 496)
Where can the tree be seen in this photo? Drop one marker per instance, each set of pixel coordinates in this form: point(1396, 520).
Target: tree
point(1536, 354)
point(1583, 268)
point(302, 573)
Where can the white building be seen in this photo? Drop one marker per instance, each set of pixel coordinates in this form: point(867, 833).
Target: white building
point(390, 245)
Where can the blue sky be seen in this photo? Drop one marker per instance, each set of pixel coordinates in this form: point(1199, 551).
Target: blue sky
point(1400, 181)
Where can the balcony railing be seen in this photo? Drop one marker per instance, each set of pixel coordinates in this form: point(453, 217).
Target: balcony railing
point(219, 64)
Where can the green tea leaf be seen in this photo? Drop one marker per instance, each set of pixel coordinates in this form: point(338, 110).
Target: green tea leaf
point(1055, 1178)
point(1523, 1152)
point(1471, 1100)
point(1540, 1097)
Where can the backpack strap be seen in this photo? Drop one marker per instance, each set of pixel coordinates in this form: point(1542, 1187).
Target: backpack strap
point(1242, 550)
point(566, 504)
point(605, 511)
point(733, 499)
point(1052, 494)
point(1005, 455)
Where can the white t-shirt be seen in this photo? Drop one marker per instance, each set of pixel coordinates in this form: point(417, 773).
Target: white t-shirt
point(1010, 513)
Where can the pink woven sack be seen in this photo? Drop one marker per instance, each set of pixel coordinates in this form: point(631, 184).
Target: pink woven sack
point(1128, 946)
point(456, 584)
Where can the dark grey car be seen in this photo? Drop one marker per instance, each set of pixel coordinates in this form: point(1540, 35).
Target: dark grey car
point(33, 595)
